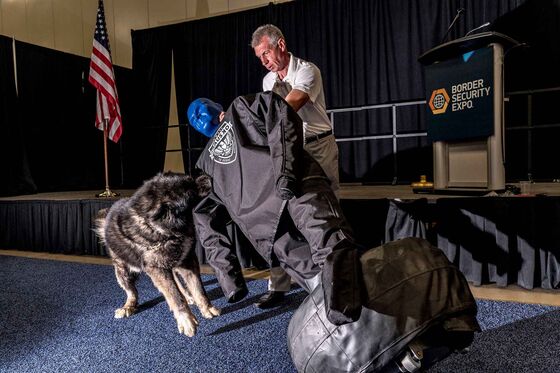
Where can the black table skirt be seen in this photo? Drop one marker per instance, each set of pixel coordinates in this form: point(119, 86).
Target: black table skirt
point(491, 239)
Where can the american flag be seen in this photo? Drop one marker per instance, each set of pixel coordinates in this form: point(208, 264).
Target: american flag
point(102, 77)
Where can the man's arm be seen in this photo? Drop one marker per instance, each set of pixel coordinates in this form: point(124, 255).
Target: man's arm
point(297, 99)
point(285, 139)
point(306, 86)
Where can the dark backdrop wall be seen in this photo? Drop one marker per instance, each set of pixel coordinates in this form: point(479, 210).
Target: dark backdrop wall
point(532, 78)
point(62, 150)
point(49, 141)
point(367, 52)
point(16, 178)
point(149, 109)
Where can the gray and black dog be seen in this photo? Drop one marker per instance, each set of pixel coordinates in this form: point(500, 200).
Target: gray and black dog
point(153, 231)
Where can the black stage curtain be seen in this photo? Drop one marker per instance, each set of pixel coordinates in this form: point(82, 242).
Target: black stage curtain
point(16, 177)
point(56, 117)
point(367, 52)
point(57, 112)
point(213, 58)
point(535, 65)
point(140, 155)
point(151, 66)
point(531, 152)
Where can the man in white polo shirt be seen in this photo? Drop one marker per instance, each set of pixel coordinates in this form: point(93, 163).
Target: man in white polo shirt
point(299, 82)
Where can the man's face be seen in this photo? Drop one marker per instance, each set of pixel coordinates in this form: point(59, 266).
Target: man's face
point(273, 58)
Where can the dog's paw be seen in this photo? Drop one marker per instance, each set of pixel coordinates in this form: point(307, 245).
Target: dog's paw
point(210, 312)
point(187, 323)
point(124, 312)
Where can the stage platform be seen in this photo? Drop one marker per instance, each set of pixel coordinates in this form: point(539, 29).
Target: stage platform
point(406, 192)
point(347, 191)
point(493, 239)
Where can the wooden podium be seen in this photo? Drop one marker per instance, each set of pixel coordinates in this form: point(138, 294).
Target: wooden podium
point(465, 95)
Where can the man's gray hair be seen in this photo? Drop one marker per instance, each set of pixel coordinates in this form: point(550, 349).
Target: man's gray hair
point(274, 34)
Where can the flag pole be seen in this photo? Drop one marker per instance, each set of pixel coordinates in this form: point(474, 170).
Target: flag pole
point(102, 77)
point(107, 193)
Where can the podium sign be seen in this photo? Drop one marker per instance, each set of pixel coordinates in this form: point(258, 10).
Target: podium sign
point(460, 93)
point(465, 92)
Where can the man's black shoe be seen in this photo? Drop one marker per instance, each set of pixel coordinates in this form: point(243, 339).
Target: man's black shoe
point(270, 299)
point(237, 294)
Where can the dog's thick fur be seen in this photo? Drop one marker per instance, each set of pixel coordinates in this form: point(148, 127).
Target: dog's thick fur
point(153, 231)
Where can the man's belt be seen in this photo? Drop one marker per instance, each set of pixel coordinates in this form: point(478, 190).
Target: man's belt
point(313, 138)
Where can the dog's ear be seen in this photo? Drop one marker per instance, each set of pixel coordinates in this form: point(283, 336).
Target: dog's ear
point(100, 223)
point(102, 214)
point(204, 185)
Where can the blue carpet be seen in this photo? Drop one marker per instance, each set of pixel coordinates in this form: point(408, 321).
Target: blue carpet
point(58, 317)
point(516, 338)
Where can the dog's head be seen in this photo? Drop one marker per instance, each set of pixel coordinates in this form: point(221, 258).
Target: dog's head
point(168, 199)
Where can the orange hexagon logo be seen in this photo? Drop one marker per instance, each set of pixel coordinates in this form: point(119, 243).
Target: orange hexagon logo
point(439, 101)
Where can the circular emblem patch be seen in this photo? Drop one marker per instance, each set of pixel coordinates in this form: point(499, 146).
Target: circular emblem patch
point(223, 149)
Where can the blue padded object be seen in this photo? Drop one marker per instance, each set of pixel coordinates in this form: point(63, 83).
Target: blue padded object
point(203, 114)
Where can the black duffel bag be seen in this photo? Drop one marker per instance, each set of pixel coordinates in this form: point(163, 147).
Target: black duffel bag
point(417, 309)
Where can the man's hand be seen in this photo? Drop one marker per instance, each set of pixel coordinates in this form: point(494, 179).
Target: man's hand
point(286, 187)
point(222, 115)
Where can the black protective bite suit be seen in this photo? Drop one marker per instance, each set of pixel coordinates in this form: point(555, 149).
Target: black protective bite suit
point(280, 198)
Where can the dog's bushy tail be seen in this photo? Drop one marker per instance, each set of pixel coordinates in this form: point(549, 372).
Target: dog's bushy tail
point(100, 220)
